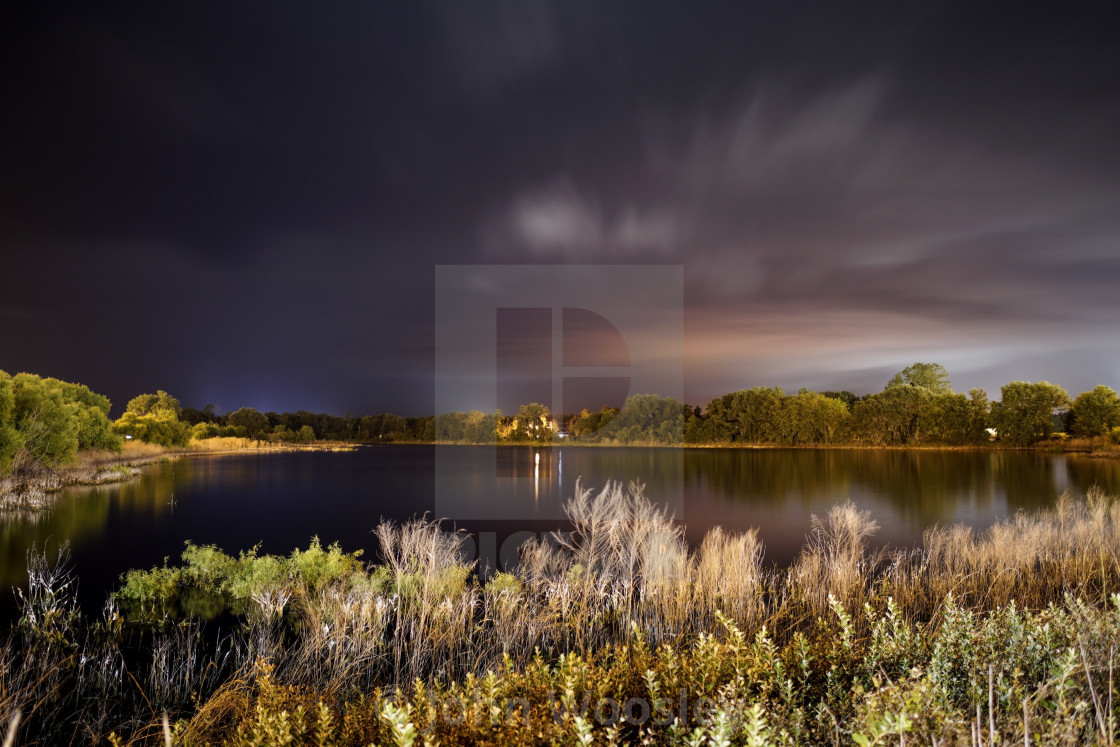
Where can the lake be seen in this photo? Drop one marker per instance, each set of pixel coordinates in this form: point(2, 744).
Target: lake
point(501, 495)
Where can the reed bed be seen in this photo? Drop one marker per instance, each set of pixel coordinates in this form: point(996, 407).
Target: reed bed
point(975, 637)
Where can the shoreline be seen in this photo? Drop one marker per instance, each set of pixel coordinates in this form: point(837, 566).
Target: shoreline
point(35, 491)
point(1107, 451)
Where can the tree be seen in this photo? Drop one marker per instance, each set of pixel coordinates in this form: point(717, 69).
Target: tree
point(947, 419)
point(46, 419)
point(193, 416)
point(1096, 412)
point(931, 376)
point(154, 419)
point(811, 418)
point(750, 415)
point(254, 422)
point(480, 428)
point(650, 418)
point(1023, 414)
point(589, 424)
point(11, 440)
point(152, 404)
point(50, 420)
point(979, 411)
point(845, 396)
point(535, 420)
point(95, 430)
point(896, 415)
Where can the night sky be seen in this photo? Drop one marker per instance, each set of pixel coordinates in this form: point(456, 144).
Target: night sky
point(244, 203)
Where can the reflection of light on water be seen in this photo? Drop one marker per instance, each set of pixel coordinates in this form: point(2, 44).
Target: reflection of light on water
point(560, 468)
point(537, 477)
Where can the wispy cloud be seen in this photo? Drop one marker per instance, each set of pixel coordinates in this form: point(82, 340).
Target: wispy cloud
point(559, 223)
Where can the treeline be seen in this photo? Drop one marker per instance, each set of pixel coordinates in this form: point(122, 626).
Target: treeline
point(916, 407)
point(44, 422)
point(306, 427)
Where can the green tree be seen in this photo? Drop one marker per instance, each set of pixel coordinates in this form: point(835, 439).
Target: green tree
point(11, 440)
point(947, 419)
point(895, 415)
point(154, 419)
point(95, 430)
point(650, 418)
point(811, 418)
point(1024, 413)
point(480, 428)
point(587, 425)
point(48, 422)
point(51, 420)
point(979, 412)
point(1096, 412)
point(450, 426)
point(152, 404)
point(750, 415)
point(931, 376)
point(533, 422)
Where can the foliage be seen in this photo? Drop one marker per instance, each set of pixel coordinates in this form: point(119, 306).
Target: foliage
point(49, 423)
point(213, 582)
point(616, 633)
point(646, 418)
point(10, 437)
point(812, 418)
point(154, 419)
point(50, 420)
point(1096, 412)
point(897, 415)
point(749, 415)
point(930, 376)
point(587, 424)
point(252, 422)
point(1024, 413)
point(204, 431)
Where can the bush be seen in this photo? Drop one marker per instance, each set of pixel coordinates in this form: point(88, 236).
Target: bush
point(204, 431)
point(215, 581)
point(154, 419)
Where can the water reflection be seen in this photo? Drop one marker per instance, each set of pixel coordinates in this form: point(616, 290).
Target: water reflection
point(282, 500)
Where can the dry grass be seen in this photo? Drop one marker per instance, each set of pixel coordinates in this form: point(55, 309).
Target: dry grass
point(622, 582)
point(233, 443)
point(1035, 559)
point(834, 563)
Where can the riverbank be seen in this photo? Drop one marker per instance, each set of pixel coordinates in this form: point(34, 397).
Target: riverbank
point(31, 488)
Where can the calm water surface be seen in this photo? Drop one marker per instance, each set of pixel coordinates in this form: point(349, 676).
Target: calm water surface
point(280, 501)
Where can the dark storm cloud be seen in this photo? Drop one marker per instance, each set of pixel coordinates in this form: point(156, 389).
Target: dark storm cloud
point(244, 204)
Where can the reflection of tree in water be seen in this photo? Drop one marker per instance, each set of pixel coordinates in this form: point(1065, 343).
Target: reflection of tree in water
point(1029, 481)
point(767, 476)
point(924, 486)
point(81, 512)
point(1086, 472)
